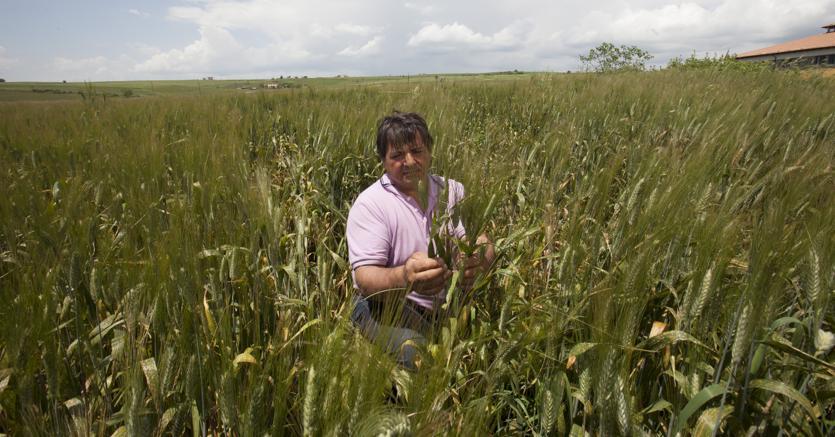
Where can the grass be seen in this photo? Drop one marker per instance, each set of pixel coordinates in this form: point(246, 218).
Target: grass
point(178, 264)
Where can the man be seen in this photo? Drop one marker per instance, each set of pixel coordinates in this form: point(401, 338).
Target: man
point(388, 241)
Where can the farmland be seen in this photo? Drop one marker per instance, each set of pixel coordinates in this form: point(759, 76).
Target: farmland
point(73, 91)
point(177, 263)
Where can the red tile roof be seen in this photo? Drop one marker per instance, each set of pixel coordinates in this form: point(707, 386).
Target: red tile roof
point(820, 41)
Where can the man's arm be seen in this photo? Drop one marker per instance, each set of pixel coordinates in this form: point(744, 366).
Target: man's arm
point(425, 275)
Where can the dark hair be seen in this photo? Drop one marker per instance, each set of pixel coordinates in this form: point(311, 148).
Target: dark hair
point(400, 129)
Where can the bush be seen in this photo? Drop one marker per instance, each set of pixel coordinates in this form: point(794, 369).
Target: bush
point(726, 62)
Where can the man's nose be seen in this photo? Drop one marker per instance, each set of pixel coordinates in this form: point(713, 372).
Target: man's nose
point(409, 159)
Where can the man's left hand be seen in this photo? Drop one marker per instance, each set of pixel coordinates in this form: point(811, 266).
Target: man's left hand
point(477, 263)
point(471, 267)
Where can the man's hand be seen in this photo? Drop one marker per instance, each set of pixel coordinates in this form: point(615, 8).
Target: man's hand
point(472, 266)
point(477, 263)
point(425, 275)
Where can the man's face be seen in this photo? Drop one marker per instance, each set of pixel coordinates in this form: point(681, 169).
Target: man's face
point(407, 166)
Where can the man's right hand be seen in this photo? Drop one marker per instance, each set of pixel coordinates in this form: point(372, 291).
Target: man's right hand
point(425, 275)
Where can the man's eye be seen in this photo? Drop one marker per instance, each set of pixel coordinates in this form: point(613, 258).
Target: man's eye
point(417, 151)
point(396, 156)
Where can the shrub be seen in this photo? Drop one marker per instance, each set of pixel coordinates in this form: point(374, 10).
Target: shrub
point(726, 62)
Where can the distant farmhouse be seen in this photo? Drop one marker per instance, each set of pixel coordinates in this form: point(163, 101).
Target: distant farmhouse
point(812, 50)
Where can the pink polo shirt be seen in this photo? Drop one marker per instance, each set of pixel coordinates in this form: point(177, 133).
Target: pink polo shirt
point(385, 227)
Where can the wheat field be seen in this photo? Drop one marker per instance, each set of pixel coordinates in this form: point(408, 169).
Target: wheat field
point(178, 265)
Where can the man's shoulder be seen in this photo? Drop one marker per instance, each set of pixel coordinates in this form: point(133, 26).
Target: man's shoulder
point(442, 181)
point(371, 201)
point(453, 187)
point(372, 195)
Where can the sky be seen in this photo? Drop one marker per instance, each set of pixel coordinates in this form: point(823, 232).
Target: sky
point(100, 40)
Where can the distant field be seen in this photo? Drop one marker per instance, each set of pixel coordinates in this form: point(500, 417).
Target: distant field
point(46, 91)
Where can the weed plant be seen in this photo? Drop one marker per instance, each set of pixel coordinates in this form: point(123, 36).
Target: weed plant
point(665, 240)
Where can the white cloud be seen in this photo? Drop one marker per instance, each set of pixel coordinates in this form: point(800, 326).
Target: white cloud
point(196, 56)
point(448, 34)
point(309, 37)
point(726, 25)
point(138, 13)
point(356, 29)
point(292, 35)
point(305, 35)
point(457, 35)
point(370, 48)
point(423, 9)
point(217, 50)
point(322, 31)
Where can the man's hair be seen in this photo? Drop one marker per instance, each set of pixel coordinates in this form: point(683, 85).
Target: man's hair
point(400, 129)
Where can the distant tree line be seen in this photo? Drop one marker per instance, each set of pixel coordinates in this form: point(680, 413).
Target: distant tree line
point(608, 57)
point(726, 62)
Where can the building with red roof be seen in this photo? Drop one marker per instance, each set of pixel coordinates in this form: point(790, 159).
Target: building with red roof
point(815, 50)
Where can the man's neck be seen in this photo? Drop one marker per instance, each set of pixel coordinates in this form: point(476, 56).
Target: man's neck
point(420, 194)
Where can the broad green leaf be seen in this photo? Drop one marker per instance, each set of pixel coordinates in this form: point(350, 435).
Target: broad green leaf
point(710, 419)
point(680, 380)
point(299, 332)
point(117, 344)
point(210, 320)
point(340, 262)
point(103, 328)
point(658, 406)
point(167, 416)
point(701, 398)
point(780, 343)
point(196, 421)
point(757, 360)
point(786, 321)
point(149, 368)
point(577, 431)
point(77, 410)
point(456, 276)
point(790, 392)
point(669, 338)
point(5, 377)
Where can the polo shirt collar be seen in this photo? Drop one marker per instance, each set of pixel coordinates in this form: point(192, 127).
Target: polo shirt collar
point(433, 188)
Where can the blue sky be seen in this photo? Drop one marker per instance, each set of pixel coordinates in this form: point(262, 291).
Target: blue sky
point(125, 40)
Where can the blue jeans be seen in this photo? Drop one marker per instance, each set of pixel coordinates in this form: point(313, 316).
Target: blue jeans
point(399, 331)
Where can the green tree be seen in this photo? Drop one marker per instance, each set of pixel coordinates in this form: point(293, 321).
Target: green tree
point(608, 57)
